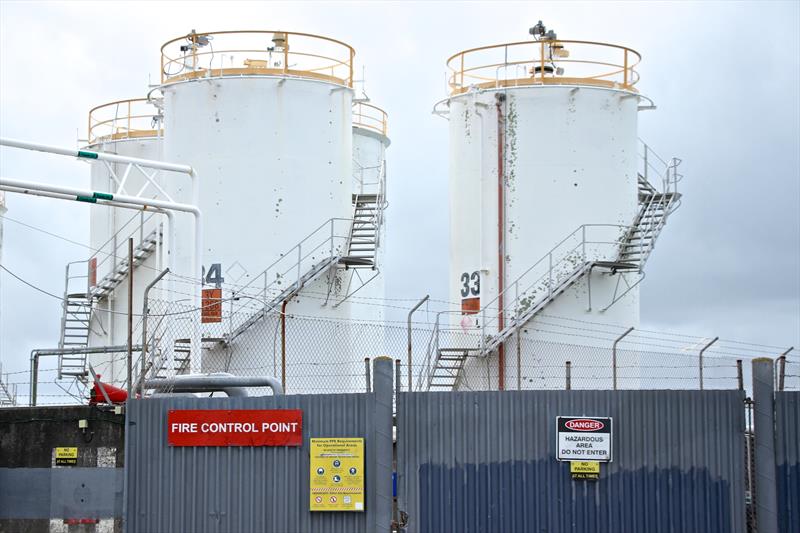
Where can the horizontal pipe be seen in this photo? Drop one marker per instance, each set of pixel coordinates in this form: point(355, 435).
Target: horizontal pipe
point(95, 196)
point(90, 154)
point(232, 385)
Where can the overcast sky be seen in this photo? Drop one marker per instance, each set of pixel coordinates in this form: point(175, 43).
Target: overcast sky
point(725, 77)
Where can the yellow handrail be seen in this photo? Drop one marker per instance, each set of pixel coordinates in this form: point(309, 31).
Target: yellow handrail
point(369, 116)
point(256, 52)
point(544, 62)
point(123, 119)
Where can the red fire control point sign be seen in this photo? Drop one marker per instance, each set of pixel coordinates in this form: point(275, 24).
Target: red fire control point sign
point(241, 427)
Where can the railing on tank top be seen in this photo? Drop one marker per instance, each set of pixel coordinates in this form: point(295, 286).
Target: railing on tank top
point(371, 117)
point(124, 119)
point(257, 52)
point(544, 62)
point(260, 294)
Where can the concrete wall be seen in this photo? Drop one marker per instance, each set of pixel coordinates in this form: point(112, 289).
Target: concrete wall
point(39, 496)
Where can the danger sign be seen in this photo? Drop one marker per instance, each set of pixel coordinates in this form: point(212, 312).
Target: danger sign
point(239, 427)
point(582, 438)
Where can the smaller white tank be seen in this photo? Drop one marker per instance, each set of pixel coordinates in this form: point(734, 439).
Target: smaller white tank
point(131, 128)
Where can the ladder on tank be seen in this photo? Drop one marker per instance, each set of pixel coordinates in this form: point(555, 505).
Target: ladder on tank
point(444, 365)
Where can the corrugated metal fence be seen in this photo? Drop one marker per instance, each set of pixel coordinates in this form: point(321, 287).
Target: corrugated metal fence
point(486, 462)
point(265, 489)
point(787, 455)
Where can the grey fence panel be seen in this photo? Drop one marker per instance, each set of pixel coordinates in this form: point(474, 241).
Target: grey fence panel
point(220, 489)
point(787, 455)
point(486, 462)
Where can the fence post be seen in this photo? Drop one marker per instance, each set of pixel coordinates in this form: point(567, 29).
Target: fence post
point(739, 374)
point(764, 421)
point(367, 375)
point(569, 375)
point(782, 369)
point(382, 368)
point(614, 357)
point(700, 359)
point(397, 380)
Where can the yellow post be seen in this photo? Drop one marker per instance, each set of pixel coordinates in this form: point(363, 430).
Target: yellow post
point(285, 52)
point(462, 71)
point(541, 60)
point(129, 118)
point(350, 82)
point(625, 76)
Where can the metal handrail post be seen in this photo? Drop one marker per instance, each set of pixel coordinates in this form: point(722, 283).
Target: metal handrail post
point(408, 361)
point(614, 357)
point(299, 260)
point(702, 351)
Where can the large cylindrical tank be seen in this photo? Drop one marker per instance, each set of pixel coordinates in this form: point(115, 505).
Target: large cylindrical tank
point(264, 117)
point(543, 180)
point(130, 128)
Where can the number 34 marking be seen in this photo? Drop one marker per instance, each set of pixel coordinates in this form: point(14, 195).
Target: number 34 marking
point(475, 279)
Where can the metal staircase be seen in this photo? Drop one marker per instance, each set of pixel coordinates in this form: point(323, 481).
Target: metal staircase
point(286, 294)
point(365, 232)
point(118, 274)
point(76, 316)
point(566, 263)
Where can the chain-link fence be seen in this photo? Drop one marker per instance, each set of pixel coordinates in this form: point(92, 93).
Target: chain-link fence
point(326, 354)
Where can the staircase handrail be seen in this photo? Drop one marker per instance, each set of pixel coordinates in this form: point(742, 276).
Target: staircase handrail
point(123, 242)
point(667, 173)
point(294, 258)
point(583, 257)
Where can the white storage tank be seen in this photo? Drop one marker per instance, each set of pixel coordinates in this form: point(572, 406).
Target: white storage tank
point(543, 200)
point(265, 119)
point(130, 128)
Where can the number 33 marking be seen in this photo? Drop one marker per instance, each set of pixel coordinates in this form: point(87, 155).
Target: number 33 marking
point(475, 278)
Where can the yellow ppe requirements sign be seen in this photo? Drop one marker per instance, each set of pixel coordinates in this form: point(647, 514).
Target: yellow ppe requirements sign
point(337, 474)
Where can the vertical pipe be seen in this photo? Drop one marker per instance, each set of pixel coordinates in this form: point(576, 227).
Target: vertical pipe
point(408, 357)
point(501, 252)
point(397, 380)
point(130, 315)
point(367, 375)
point(764, 420)
point(700, 359)
point(569, 375)
point(283, 346)
point(614, 357)
point(739, 374)
point(383, 445)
